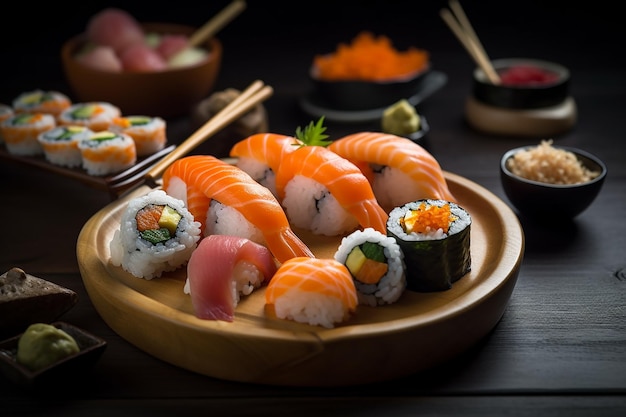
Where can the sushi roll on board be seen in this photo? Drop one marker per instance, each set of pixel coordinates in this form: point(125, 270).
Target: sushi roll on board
point(96, 115)
point(21, 131)
point(434, 236)
point(149, 133)
point(376, 264)
point(6, 111)
point(40, 101)
point(60, 145)
point(314, 291)
point(107, 153)
point(157, 234)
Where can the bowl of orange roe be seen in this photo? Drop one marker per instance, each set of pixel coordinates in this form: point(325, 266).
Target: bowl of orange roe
point(368, 73)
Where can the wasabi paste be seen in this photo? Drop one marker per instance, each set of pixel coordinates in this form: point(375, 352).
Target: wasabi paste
point(400, 119)
point(42, 345)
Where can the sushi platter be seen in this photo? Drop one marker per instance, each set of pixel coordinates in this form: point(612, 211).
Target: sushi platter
point(421, 330)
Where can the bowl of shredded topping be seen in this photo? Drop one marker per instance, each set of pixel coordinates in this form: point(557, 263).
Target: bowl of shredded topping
point(368, 73)
point(551, 182)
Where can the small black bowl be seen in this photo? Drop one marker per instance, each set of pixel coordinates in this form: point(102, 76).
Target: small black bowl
point(91, 348)
point(551, 91)
point(552, 202)
point(354, 95)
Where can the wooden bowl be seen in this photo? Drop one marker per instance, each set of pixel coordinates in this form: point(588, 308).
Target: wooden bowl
point(169, 93)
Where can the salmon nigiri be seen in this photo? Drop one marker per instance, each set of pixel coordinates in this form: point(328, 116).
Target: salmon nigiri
point(327, 194)
point(260, 155)
point(399, 170)
point(221, 270)
point(234, 189)
point(313, 291)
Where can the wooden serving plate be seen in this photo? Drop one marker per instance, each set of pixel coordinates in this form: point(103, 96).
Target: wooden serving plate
point(419, 331)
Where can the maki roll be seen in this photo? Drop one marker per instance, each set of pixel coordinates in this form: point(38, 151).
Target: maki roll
point(39, 101)
point(107, 152)
point(21, 131)
point(157, 234)
point(60, 145)
point(434, 236)
point(376, 264)
point(96, 115)
point(149, 133)
point(6, 112)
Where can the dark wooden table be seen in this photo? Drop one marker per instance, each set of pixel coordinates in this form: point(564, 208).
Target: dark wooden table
point(559, 349)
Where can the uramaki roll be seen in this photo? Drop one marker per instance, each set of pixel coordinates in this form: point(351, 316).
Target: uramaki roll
point(21, 131)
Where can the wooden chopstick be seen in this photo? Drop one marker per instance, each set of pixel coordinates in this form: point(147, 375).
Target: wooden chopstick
point(462, 28)
point(216, 23)
point(256, 93)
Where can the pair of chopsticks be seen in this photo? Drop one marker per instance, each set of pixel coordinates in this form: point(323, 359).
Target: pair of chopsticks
point(255, 94)
point(217, 22)
point(460, 25)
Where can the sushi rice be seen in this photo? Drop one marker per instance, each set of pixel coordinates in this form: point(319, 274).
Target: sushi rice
point(143, 258)
point(310, 206)
point(40, 101)
point(6, 112)
point(96, 115)
point(60, 145)
point(107, 152)
point(21, 131)
point(149, 133)
point(392, 284)
point(224, 220)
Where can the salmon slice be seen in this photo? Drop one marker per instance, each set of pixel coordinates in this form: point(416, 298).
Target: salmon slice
point(302, 287)
point(343, 179)
point(232, 187)
point(373, 150)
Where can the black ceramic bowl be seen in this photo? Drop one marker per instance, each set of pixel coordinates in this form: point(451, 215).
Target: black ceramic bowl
point(355, 95)
point(526, 84)
point(550, 201)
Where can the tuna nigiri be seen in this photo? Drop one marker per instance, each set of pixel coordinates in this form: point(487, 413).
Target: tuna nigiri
point(232, 188)
point(399, 170)
point(221, 270)
point(327, 194)
point(313, 291)
point(260, 155)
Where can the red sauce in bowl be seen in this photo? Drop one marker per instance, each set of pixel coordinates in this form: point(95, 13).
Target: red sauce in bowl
point(527, 75)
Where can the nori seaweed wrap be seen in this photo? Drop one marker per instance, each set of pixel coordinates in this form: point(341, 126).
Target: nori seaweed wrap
point(434, 236)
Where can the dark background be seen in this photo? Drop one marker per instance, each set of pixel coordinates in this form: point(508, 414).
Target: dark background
point(33, 34)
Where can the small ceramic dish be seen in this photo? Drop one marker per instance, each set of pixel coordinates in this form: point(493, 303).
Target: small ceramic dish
point(525, 84)
point(542, 200)
point(355, 95)
point(91, 348)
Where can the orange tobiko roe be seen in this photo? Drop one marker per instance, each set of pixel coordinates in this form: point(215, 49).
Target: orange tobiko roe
point(370, 58)
point(427, 219)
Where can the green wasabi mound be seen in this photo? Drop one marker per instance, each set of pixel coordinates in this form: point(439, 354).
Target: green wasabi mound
point(400, 119)
point(42, 345)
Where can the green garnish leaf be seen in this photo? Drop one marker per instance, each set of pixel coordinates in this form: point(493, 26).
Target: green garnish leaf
point(313, 134)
